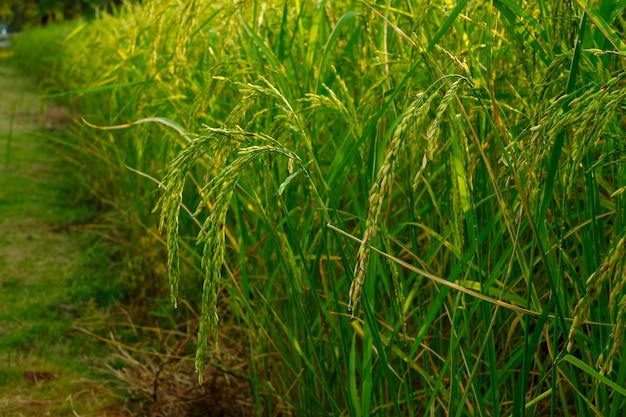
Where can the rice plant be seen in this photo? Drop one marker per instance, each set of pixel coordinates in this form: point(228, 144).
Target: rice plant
point(400, 208)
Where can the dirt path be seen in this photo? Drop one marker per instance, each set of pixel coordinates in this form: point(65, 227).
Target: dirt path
point(47, 284)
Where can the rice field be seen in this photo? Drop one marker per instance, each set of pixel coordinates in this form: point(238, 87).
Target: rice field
point(364, 208)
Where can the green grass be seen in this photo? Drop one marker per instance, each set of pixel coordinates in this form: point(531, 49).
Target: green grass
point(52, 273)
point(474, 149)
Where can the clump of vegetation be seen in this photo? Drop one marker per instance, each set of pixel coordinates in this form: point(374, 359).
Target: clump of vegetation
point(402, 207)
point(31, 13)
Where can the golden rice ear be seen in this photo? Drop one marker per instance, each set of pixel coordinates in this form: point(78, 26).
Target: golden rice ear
point(409, 130)
point(613, 272)
point(217, 195)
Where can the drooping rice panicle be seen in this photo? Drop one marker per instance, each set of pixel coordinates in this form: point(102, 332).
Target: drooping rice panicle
point(407, 130)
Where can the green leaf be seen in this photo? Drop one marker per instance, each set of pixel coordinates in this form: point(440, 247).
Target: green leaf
point(593, 373)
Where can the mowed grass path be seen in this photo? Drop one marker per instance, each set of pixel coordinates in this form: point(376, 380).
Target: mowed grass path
point(49, 282)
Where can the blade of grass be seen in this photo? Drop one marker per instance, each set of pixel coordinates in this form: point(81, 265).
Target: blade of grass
point(593, 373)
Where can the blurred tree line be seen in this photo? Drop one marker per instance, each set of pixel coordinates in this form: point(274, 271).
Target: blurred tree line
point(20, 14)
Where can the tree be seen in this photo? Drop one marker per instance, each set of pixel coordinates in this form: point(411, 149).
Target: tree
point(6, 14)
point(20, 14)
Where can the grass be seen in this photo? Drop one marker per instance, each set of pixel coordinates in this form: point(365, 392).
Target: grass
point(51, 279)
point(397, 208)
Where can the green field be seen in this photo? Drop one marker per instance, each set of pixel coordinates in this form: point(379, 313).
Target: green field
point(355, 208)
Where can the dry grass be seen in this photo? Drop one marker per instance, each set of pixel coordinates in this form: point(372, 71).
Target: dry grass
point(161, 381)
point(167, 388)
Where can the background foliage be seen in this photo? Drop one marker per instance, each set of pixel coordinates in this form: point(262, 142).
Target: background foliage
point(28, 13)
